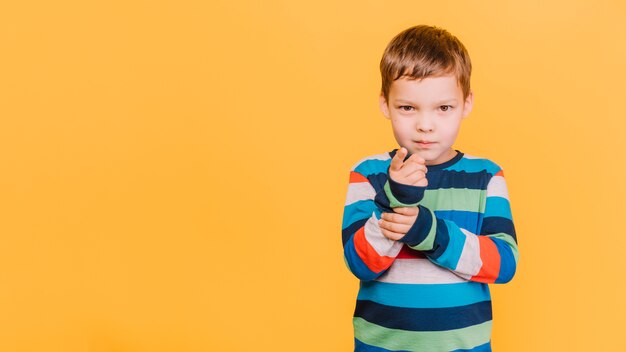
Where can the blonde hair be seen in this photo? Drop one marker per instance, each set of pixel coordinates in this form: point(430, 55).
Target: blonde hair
point(423, 51)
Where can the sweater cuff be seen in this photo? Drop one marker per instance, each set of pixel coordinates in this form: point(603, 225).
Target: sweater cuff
point(421, 236)
point(402, 195)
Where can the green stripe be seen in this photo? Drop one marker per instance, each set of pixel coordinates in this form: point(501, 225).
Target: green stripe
point(393, 201)
point(455, 199)
point(424, 341)
point(428, 242)
point(508, 239)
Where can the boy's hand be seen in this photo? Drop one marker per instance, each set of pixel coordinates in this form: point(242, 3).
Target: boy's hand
point(410, 172)
point(395, 225)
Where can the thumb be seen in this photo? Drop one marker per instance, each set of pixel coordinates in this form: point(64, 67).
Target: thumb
point(398, 159)
point(406, 210)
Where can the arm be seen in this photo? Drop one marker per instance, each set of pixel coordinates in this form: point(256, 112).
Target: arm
point(406, 182)
point(367, 253)
point(395, 194)
point(490, 256)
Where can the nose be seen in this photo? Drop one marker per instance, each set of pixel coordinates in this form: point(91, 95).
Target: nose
point(424, 123)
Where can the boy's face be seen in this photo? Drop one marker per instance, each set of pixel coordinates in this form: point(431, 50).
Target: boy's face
point(427, 110)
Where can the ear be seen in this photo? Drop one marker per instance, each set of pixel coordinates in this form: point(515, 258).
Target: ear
point(469, 104)
point(384, 107)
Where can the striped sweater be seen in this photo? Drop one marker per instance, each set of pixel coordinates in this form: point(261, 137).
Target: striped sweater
point(429, 290)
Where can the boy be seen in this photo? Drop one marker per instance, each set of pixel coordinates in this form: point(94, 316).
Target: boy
point(426, 227)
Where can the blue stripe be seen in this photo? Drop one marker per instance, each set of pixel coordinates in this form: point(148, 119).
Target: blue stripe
point(482, 348)
point(378, 180)
point(493, 225)
point(424, 295)
point(498, 206)
point(373, 166)
point(466, 219)
point(363, 347)
point(450, 257)
point(475, 165)
point(439, 179)
point(507, 261)
point(350, 230)
point(424, 319)
point(457, 179)
point(356, 211)
point(356, 264)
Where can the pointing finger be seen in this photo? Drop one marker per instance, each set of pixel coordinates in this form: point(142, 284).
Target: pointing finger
point(398, 159)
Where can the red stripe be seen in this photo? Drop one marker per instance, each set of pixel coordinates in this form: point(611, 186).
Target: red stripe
point(491, 261)
point(409, 253)
point(356, 177)
point(368, 254)
point(500, 173)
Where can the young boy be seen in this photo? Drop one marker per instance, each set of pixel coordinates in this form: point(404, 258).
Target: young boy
point(426, 227)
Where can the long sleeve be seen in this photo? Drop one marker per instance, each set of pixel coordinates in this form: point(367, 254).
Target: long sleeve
point(395, 194)
point(490, 256)
point(367, 252)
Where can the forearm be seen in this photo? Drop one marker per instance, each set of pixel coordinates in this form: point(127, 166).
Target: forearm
point(489, 257)
point(367, 252)
point(395, 194)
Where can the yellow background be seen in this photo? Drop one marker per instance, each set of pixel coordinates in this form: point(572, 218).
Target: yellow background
point(173, 173)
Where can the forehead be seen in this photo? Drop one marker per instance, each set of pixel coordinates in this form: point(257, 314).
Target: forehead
point(428, 89)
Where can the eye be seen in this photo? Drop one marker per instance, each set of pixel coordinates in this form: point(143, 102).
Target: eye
point(445, 107)
point(405, 108)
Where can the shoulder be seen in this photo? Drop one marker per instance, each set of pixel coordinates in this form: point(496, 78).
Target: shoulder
point(373, 164)
point(473, 163)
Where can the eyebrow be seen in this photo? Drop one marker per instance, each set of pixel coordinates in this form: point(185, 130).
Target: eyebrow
point(405, 101)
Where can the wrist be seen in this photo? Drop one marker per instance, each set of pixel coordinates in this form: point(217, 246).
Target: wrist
point(402, 194)
point(422, 233)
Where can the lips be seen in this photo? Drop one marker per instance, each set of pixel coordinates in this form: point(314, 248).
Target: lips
point(425, 144)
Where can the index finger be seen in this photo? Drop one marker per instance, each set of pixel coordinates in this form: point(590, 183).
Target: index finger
point(398, 159)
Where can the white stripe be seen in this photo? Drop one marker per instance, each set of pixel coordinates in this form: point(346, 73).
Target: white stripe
point(381, 244)
point(497, 187)
point(359, 191)
point(468, 156)
point(418, 271)
point(382, 156)
point(469, 263)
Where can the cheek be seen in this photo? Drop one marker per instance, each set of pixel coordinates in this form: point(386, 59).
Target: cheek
point(452, 130)
point(401, 128)
point(401, 123)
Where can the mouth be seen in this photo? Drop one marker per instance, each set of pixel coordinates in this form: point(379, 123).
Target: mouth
point(424, 143)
